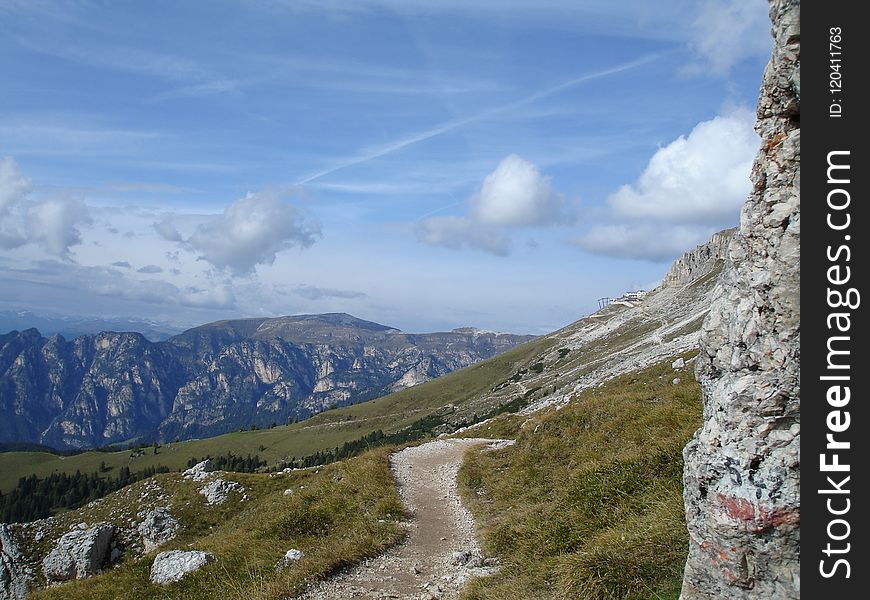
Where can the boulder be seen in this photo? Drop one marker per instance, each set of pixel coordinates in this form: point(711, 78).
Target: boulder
point(199, 471)
point(159, 527)
point(218, 491)
point(678, 364)
point(14, 573)
point(289, 558)
point(171, 566)
point(79, 553)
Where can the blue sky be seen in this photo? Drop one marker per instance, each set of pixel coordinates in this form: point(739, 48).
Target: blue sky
point(423, 164)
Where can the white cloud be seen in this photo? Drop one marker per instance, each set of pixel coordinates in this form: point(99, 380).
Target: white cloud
point(457, 233)
point(50, 223)
point(252, 231)
point(514, 195)
point(14, 186)
point(690, 188)
point(726, 32)
point(701, 178)
point(54, 224)
point(167, 230)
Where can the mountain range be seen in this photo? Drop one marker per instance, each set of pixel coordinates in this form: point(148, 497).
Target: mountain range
point(119, 388)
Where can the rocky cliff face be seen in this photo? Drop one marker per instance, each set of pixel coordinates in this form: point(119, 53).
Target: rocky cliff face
point(698, 262)
point(118, 387)
point(741, 475)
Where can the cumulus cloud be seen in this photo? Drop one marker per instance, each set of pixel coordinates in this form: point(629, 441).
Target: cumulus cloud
point(699, 178)
point(50, 223)
point(252, 231)
point(690, 188)
point(14, 186)
point(726, 32)
point(150, 269)
point(514, 195)
point(54, 224)
point(123, 264)
point(311, 292)
point(167, 230)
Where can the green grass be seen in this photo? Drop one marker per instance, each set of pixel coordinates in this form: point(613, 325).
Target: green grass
point(588, 503)
point(337, 515)
point(329, 429)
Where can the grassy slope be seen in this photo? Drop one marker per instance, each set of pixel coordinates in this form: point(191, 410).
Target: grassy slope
point(588, 503)
point(326, 430)
point(337, 515)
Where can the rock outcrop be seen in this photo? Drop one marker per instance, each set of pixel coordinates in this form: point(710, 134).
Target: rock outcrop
point(217, 491)
point(696, 263)
point(173, 565)
point(14, 573)
point(200, 471)
point(742, 467)
point(110, 388)
point(79, 553)
point(158, 527)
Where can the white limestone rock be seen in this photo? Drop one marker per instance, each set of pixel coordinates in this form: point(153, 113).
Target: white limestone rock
point(217, 491)
point(741, 478)
point(79, 553)
point(14, 572)
point(289, 558)
point(159, 526)
point(173, 565)
point(199, 471)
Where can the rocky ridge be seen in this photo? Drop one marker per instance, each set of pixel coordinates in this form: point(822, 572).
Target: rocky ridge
point(742, 479)
point(618, 339)
point(697, 263)
point(119, 387)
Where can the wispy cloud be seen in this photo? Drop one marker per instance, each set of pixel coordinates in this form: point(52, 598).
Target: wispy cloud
point(312, 292)
point(201, 81)
point(382, 150)
point(59, 134)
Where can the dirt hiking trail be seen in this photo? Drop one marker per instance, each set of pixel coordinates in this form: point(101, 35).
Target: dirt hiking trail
point(440, 552)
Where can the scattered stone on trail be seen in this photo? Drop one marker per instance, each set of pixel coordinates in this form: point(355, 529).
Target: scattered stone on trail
point(678, 364)
point(677, 381)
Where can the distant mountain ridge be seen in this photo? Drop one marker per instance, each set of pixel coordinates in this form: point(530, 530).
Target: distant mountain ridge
point(71, 326)
point(111, 388)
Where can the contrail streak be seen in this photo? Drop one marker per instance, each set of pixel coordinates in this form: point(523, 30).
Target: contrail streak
point(383, 150)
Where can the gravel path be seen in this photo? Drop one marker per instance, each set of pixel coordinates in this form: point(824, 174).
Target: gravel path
point(440, 552)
